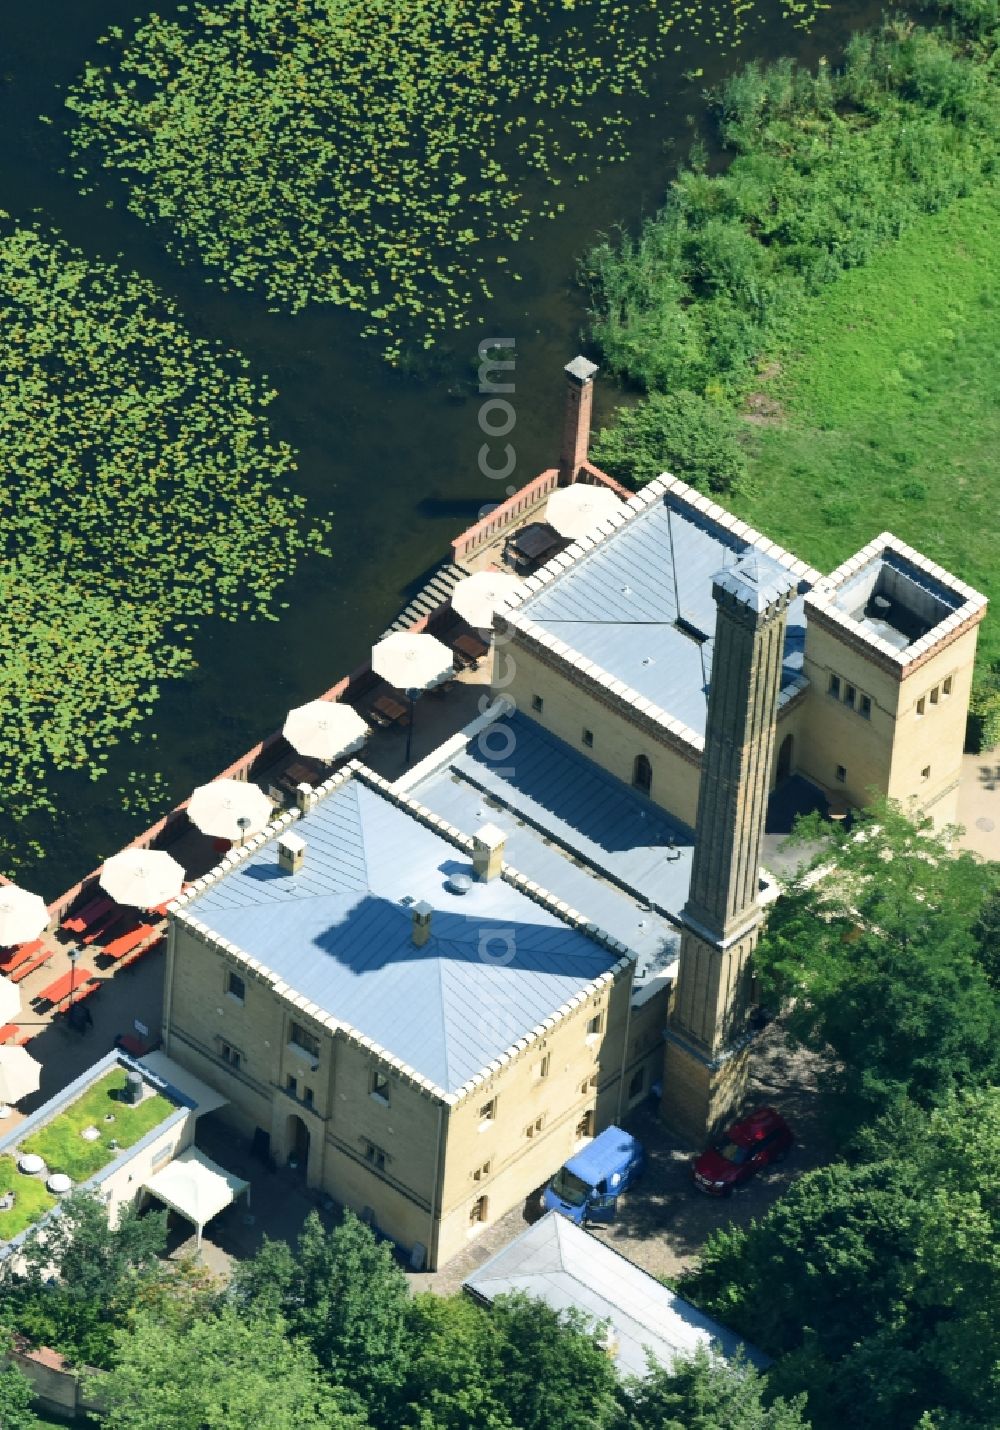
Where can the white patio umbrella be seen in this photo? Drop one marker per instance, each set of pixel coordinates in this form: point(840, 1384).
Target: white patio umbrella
point(218, 808)
point(22, 915)
point(412, 661)
point(325, 730)
point(20, 1075)
point(476, 598)
point(10, 1001)
point(142, 878)
point(575, 510)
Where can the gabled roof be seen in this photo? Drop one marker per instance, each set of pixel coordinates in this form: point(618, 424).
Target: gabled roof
point(566, 1267)
point(635, 605)
point(338, 934)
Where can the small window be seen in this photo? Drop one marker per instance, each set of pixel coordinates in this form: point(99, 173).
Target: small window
point(488, 1111)
point(865, 707)
point(594, 1025)
point(481, 1173)
point(302, 1038)
point(235, 987)
point(841, 775)
point(533, 1128)
point(642, 774)
point(834, 687)
point(946, 686)
point(291, 1085)
point(588, 739)
point(478, 1211)
point(229, 1054)
point(638, 1083)
point(544, 1065)
point(850, 694)
point(925, 773)
point(590, 1083)
point(380, 1087)
point(307, 1096)
point(585, 1127)
point(537, 704)
point(935, 694)
point(920, 707)
point(374, 1155)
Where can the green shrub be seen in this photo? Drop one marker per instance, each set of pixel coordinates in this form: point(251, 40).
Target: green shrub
point(984, 712)
point(679, 432)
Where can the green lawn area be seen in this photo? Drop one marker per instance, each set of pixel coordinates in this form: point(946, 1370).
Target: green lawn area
point(31, 1199)
point(888, 386)
point(64, 1150)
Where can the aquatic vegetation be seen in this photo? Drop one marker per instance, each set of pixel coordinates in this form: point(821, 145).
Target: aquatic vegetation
point(382, 155)
point(141, 491)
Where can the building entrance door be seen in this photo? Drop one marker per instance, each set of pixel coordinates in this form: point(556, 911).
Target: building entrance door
point(785, 758)
point(297, 1142)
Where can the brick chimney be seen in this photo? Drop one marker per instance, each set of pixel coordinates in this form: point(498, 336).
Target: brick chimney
point(291, 853)
point(487, 852)
point(421, 928)
point(576, 423)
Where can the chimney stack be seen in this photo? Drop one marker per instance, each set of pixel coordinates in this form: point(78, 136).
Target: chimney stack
point(576, 423)
point(487, 852)
point(291, 853)
point(421, 930)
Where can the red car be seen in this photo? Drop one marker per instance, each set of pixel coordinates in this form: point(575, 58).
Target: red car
point(762, 1137)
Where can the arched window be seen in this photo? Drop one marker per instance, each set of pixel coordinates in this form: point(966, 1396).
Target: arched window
point(642, 774)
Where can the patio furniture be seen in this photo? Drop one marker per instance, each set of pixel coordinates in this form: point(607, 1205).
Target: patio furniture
point(60, 988)
point(126, 942)
point(141, 951)
point(394, 710)
point(23, 971)
point(17, 956)
point(470, 650)
point(89, 914)
point(8, 1031)
point(104, 925)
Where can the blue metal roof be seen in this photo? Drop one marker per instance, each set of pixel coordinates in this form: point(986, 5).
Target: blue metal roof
point(617, 606)
point(339, 933)
point(568, 1268)
point(608, 1152)
point(575, 829)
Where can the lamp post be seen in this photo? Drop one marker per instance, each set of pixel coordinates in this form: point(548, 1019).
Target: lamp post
point(243, 824)
point(411, 696)
point(74, 954)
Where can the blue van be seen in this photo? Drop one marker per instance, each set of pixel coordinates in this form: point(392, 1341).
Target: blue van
point(587, 1187)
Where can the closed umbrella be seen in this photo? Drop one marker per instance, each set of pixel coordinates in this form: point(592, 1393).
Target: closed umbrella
point(20, 1074)
point(476, 598)
point(576, 510)
point(142, 878)
point(10, 1001)
point(325, 730)
point(412, 662)
point(229, 809)
point(22, 915)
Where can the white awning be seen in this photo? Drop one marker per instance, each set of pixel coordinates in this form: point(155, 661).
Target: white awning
point(195, 1187)
point(205, 1098)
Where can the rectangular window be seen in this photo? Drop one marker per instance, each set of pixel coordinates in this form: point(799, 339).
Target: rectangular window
point(380, 1087)
point(307, 1096)
point(481, 1173)
point(849, 695)
point(229, 1054)
point(588, 739)
point(533, 1128)
point(537, 704)
point(920, 707)
point(638, 1083)
point(302, 1038)
point(590, 1083)
point(488, 1111)
point(477, 1212)
point(865, 707)
point(291, 1085)
point(841, 775)
point(935, 693)
point(544, 1065)
point(594, 1025)
point(374, 1155)
point(235, 987)
point(925, 773)
point(946, 686)
point(834, 687)
point(585, 1127)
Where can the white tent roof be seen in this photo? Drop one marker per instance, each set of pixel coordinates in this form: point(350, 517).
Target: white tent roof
point(195, 1187)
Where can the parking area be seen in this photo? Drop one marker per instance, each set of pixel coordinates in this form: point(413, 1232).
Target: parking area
point(662, 1222)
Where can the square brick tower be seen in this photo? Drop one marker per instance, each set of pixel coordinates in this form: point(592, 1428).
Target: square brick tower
point(706, 1054)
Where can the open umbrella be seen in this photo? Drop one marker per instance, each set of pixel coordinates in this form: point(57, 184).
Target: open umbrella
point(476, 598)
point(10, 1001)
point(575, 511)
point(20, 1074)
point(142, 878)
point(229, 809)
point(325, 730)
point(412, 662)
point(22, 915)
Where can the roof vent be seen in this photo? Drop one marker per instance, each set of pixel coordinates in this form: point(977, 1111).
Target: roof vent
point(421, 930)
point(291, 853)
point(458, 884)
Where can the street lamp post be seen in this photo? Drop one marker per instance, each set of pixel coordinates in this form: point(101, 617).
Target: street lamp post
point(411, 696)
point(243, 824)
point(74, 954)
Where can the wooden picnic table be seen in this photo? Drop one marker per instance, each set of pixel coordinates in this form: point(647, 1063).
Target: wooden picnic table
point(89, 914)
point(24, 969)
point(471, 647)
point(393, 710)
point(15, 957)
point(298, 773)
point(75, 981)
point(126, 942)
point(104, 925)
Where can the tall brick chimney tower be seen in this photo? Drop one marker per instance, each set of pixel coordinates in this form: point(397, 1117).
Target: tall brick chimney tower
point(576, 424)
point(705, 1062)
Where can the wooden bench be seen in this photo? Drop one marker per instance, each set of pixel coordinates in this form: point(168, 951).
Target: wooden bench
point(22, 972)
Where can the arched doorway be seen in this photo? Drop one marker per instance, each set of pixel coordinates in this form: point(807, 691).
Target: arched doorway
point(785, 758)
point(297, 1143)
point(642, 774)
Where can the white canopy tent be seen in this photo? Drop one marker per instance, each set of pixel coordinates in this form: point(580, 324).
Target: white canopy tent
point(196, 1187)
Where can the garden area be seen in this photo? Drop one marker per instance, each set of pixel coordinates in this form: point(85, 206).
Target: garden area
point(62, 1146)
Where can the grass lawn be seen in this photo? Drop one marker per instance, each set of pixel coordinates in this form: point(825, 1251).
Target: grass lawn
point(31, 1199)
point(64, 1150)
point(888, 386)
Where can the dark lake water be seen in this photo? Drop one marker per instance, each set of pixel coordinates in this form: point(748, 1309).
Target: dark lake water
point(393, 458)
